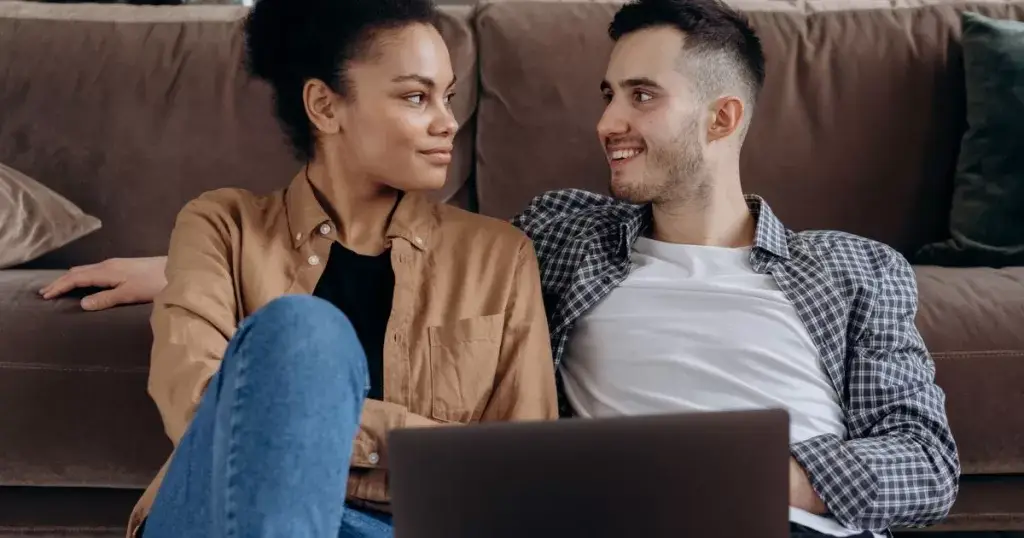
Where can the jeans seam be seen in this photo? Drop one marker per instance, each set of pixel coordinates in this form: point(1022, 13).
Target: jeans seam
point(231, 474)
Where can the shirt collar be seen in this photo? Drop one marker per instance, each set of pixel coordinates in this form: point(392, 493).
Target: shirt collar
point(769, 234)
point(414, 220)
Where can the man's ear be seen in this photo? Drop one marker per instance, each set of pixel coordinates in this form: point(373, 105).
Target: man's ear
point(727, 115)
point(319, 100)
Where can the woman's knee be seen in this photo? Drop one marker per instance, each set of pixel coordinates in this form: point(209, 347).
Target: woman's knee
point(301, 315)
point(299, 337)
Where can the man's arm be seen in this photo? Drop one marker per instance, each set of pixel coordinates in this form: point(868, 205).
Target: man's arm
point(129, 281)
point(899, 465)
point(139, 280)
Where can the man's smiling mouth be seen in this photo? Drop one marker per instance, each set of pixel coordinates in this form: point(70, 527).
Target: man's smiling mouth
point(624, 155)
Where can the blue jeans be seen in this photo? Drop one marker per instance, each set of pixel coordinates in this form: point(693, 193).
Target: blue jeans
point(267, 453)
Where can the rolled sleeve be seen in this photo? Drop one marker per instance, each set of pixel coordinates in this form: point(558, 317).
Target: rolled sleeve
point(899, 465)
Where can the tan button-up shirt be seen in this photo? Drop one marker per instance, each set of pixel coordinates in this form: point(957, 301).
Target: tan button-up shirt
point(467, 339)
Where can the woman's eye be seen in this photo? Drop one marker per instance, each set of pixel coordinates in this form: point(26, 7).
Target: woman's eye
point(415, 98)
point(448, 98)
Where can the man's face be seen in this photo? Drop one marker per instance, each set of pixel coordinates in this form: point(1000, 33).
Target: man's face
point(652, 127)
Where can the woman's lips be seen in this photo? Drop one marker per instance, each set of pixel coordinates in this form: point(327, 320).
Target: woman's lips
point(438, 156)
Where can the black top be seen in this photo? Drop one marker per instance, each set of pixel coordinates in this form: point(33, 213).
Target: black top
point(362, 287)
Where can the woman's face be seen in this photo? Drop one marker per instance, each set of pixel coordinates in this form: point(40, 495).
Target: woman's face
point(395, 126)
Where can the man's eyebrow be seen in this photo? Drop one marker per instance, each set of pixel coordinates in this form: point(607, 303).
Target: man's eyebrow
point(426, 81)
point(630, 83)
point(639, 81)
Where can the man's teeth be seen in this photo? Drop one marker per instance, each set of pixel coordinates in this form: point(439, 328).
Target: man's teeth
point(625, 153)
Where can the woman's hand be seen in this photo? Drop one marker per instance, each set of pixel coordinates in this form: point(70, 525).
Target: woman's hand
point(130, 281)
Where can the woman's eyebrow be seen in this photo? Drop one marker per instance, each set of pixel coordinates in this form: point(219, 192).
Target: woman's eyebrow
point(424, 80)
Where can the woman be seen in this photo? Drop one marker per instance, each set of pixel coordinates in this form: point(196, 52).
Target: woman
point(297, 329)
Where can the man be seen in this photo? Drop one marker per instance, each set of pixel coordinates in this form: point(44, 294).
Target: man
point(682, 294)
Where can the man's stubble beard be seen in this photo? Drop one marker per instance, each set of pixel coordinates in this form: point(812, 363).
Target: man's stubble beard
point(675, 172)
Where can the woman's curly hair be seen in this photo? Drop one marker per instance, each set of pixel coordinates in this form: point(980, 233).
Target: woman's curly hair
point(288, 42)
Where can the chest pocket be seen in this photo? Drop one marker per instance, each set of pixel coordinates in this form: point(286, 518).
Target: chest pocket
point(463, 363)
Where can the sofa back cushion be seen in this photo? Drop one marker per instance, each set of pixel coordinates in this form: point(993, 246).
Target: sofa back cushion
point(857, 128)
point(131, 111)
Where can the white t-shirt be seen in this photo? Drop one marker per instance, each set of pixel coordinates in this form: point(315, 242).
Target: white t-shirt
point(695, 328)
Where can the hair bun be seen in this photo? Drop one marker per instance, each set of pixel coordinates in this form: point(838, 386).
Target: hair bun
point(270, 35)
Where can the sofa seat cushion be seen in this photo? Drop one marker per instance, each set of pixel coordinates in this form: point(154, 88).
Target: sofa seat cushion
point(971, 320)
point(984, 506)
point(73, 391)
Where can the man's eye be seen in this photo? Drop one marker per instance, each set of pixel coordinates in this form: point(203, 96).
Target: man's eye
point(607, 97)
point(642, 97)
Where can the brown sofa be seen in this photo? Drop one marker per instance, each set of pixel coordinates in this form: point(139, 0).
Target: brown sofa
point(131, 111)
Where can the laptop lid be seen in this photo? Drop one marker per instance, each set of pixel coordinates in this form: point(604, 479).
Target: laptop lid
point(708, 475)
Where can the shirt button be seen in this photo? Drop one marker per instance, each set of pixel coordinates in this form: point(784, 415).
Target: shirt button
point(325, 229)
point(374, 458)
point(313, 260)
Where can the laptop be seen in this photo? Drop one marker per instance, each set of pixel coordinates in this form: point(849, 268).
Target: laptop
point(707, 475)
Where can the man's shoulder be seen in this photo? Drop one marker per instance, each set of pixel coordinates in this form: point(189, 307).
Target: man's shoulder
point(569, 212)
point(849, 255)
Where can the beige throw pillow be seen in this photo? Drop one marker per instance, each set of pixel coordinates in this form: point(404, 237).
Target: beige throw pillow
point(34, 220)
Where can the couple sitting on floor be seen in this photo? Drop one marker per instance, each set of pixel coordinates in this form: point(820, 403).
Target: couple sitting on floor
point(293, 331)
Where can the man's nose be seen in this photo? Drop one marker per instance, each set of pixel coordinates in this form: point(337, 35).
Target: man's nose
point(612, 123)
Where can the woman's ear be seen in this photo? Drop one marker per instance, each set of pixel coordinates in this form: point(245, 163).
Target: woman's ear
point(319, 100)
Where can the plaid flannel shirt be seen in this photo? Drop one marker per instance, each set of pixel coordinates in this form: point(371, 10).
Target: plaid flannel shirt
point(898, 465)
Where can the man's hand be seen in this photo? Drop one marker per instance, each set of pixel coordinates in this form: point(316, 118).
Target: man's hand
point(131, 281)
point(801, 494)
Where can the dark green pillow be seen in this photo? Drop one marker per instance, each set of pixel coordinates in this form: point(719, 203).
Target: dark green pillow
point(987, 219)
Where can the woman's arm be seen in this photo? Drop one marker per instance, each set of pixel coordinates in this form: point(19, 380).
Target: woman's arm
point(524, 385)
point(194, 316)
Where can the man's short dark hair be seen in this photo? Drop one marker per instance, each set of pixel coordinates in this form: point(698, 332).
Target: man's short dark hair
point(718, 38)
point(288, 42)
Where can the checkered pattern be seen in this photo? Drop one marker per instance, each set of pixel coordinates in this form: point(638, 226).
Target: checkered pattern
point(858, 298)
